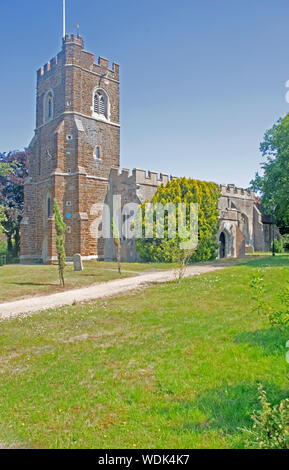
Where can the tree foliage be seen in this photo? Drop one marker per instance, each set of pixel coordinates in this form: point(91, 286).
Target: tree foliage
point(60, 228)
point(13, 173)
point(186, 191)
point(273, 184)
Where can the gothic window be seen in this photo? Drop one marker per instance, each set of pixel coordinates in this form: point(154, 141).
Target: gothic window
point(48, 107)
point(97, 153)
point(100, 103)
point(49, 207)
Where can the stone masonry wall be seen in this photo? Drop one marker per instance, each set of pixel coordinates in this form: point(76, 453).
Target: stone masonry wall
point(62, 155)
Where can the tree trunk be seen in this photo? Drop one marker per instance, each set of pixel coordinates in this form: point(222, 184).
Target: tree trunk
point(9, 243)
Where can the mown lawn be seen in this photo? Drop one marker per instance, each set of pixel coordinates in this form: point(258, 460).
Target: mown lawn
point(17, 281)
point(172, 366)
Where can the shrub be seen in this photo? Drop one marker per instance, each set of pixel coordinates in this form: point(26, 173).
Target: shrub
point(277, 318)
point(258, 295)
point(271, 425)
point(187, 191)
point(279, 246)
point(285, 239)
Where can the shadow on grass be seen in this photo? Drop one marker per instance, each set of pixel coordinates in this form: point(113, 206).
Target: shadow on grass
point(272, 341)
point(230, 408)
point(270, 261)
point(33, 284)
point(251, 262)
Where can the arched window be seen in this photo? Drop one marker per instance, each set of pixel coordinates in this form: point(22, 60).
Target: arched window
point(49, 207)
point(48, 106)
point(97, 153)
point(100, 103)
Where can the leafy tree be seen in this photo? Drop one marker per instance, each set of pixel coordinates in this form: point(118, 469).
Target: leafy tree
point(13, 172)
point(5, 171)
point(60, 228)
point(273, 184)
point(183, 191)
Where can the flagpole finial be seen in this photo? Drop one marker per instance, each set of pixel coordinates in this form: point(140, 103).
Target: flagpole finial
point(64, 19)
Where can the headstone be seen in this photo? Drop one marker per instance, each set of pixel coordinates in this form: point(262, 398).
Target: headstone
point(77, 263)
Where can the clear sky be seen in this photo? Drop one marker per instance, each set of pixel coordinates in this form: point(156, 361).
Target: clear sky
point(201, 80)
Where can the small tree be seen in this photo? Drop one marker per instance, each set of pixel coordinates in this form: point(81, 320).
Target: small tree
point(60, 228)
point(116, 242)
point(183, 261)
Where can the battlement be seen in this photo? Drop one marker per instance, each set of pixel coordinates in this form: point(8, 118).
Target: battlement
point(73, 39)
point(48, 67)
point(138, 176)
point(102, 67)
point(151, 178)
point(232, 190)
point(79, 56)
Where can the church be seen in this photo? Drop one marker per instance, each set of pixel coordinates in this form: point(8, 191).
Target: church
point(74, 157)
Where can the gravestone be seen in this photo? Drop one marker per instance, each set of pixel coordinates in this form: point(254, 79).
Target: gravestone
point(77, 262)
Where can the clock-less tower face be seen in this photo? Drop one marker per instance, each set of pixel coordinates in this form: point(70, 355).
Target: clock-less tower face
point(76, 144)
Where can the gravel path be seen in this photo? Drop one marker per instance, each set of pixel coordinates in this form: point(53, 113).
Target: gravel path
point(97, 291)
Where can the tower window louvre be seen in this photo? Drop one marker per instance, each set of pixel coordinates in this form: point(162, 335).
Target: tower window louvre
point(96, 107)
point(100, 103)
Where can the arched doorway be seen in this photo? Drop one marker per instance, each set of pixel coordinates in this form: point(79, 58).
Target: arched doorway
point(222, 243)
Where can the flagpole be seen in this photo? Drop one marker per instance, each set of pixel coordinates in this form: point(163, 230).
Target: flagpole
point(64, 17)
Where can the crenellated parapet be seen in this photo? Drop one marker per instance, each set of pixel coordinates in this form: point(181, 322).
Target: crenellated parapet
point(73, 39)
point(141, 177)
point(230, 190)
point(73, 53)
point(48, 67)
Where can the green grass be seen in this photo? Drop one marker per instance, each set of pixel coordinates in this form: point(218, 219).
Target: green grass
point(172, 366)
point(18, 281)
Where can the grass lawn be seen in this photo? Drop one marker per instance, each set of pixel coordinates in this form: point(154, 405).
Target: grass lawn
point(20, 281)
point(172, 366)
point(17, 281)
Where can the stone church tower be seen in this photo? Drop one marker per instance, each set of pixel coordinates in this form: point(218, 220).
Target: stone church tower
point(76, 144)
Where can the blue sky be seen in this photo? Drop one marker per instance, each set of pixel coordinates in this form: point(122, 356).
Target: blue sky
point(201, 80)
